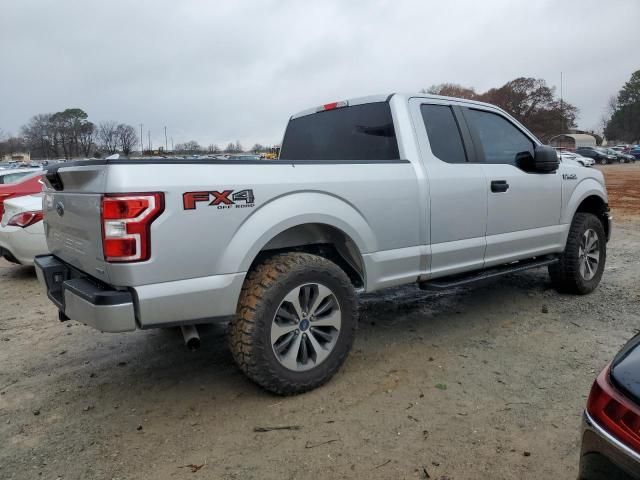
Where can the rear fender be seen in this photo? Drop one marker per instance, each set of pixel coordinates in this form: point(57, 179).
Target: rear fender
point(285, 212)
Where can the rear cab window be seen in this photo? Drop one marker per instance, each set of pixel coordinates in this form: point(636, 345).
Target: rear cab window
point(352, 133)
point(443, 132)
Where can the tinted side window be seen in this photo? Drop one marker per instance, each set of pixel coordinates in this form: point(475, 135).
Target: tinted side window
point(444, 133)
point(360, 132)
point(500, 140)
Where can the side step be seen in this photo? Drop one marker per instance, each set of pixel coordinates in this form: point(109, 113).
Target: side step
point(458, 280)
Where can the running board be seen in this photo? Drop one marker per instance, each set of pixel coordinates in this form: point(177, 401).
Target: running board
point(458, 280)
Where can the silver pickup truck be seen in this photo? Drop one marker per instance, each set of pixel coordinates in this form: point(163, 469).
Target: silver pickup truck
point(367, 193)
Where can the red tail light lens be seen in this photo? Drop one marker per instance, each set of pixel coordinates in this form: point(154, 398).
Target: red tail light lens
point(25, 219)
point(332, 106)
point(126, 222)
point(614, 412)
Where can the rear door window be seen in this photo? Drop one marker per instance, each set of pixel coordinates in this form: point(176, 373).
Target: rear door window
point(444, 133)
point(500, 139)
point(359, 132)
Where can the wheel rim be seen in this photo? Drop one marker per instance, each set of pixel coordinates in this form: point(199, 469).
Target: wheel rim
point(306, 327)
point(589, 254)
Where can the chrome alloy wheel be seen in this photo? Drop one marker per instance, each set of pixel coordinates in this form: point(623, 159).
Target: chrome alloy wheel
point(589, 254)
point(306, 327)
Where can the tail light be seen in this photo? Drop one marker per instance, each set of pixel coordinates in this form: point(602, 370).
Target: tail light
point(25, 219)
point(618, 415)
point(126, 225)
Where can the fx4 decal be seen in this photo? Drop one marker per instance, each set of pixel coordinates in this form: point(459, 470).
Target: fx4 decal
point(221, 200)
point(569, 176)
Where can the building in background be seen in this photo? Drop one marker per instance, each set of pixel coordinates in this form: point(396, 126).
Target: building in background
point(573, 140)
point(24, 157)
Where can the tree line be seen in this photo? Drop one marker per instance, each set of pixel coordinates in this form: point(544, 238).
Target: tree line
point(192, 148)
point(622, 119)
point(529, 100)
point(70, 134)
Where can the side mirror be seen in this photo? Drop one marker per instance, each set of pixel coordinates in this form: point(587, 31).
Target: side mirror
point(544, 160)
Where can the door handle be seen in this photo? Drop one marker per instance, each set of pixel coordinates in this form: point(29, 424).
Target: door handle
point(499, 186)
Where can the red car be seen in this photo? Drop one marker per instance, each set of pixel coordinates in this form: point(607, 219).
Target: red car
point(25, 186)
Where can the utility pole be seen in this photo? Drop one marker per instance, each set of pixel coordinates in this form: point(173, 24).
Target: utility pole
point(166, 144)
point(172, 144)
point(149, 136)
point(561, 105)
point(141, 141)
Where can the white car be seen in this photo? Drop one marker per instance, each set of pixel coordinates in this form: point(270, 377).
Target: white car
point(584, 161)
point(22, 230)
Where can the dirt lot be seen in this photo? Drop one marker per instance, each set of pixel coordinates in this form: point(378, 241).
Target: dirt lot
point(478, 382)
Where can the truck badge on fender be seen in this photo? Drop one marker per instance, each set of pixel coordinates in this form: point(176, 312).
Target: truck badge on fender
point(569, 176)
point(221, 200)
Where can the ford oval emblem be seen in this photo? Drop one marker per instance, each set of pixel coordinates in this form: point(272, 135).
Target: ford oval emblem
point(60, 208)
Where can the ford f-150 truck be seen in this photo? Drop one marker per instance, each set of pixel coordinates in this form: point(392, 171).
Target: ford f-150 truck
point(367, 193)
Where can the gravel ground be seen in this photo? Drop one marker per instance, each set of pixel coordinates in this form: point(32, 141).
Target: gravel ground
point(487, 381)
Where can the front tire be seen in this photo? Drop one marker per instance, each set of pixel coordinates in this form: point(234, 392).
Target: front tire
point(295, 323)
point(582, 262)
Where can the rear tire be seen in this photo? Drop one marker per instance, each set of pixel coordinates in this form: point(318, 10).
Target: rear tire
point(582, 262)
point(295, 324)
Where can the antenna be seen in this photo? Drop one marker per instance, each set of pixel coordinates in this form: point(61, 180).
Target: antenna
point(166, 144)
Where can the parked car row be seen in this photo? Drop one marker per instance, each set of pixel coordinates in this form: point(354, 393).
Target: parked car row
point(604, 156)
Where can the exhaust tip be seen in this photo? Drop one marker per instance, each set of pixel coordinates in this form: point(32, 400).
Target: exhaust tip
point(191, 337)
point(193, 344)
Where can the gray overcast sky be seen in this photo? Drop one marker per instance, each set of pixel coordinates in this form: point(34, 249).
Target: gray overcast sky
point(218, 71)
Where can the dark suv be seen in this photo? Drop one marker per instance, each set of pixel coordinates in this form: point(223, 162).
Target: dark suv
point(599, 156)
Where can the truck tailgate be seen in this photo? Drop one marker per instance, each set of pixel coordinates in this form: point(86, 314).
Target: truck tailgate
point(72, 217)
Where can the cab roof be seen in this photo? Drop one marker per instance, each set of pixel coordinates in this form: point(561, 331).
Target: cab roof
point(384, 97)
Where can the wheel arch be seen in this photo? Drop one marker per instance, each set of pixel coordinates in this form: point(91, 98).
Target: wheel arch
point(320, 239)
point(588, 197)
point(313, 222)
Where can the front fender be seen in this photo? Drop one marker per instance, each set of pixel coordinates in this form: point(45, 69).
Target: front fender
point(290, 210)
point(586, 188)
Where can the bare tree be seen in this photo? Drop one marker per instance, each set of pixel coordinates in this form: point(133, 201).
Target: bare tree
point(127, 138)
point(108, 137)
point(190, 147)
point(213, 148)
point(86, 134)
point(230, 148)
point(238, 147)
point(451, 90)
point(40, 136)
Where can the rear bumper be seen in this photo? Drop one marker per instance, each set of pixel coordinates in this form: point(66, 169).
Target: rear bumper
point(109, 309)
point(83, 299)
point(603, 457)
point(21, 245)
